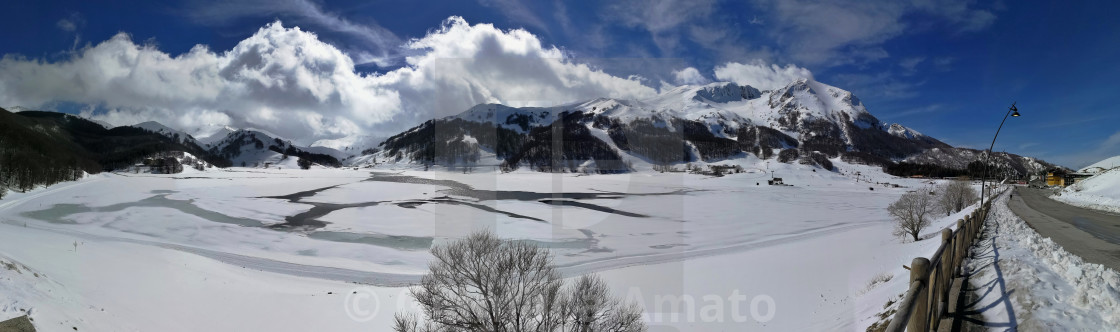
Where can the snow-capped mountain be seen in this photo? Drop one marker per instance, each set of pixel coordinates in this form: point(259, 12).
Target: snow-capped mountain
point(208, 135)
point(804, 121)
point(351, 145)
point(251, 147)
point(159, 128)
point(248, 147)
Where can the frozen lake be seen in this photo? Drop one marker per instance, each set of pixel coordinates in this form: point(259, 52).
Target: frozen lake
point(385, 222)
point(665, 233)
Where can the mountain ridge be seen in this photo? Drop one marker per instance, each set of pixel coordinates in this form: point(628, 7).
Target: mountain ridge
point(803, 121)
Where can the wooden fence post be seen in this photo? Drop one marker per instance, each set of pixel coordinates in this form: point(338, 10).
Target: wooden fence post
point(945, 277)
point(968, 228)
point(963, 243)
point(919, 319)
point(975, 224)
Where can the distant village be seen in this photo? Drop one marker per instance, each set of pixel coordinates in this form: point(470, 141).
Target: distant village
point(169, 163)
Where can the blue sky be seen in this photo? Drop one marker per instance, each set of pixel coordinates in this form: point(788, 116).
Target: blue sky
point(949, 69)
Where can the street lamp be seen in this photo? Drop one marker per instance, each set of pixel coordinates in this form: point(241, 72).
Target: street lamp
point(1011, 111)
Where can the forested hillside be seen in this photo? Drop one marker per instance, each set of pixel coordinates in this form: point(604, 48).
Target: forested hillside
point(44, 148)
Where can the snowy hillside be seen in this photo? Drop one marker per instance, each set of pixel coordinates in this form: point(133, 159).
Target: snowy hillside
point(352, 145)
point(210, 134)
point(803, 121)
point(1002, 163)
point(1102, 165)
point(159, 128)
point(248, 147)
point(1101, 191)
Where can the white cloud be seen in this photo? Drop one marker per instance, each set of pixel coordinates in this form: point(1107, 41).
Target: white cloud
point(661, 18)
point(287, 81)
point(466, 65)
point(374, 43)
point(911, 63)
point(689, 75)
point(71, 23)
point(516, 10)
point(760, 75)
point(838, 32)
point(66, 25)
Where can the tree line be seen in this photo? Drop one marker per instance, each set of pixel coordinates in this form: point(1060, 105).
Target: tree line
point(45, 148)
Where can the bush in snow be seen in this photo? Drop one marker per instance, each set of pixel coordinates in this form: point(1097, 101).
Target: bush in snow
point(954, 196)
point(304, 163)
point(912, 211)
point(483, 283)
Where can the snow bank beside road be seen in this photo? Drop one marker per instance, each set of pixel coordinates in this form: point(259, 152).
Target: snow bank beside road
point(1036, 284)
point(1101, 192)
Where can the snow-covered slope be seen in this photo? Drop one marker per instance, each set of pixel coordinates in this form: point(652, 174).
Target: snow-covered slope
point(161, 129)
point(1101, 191)
point(1102, 165)
point(352, 145)
point(209, 135)
point(959, 158)
point(249, 147)
point(683, 124)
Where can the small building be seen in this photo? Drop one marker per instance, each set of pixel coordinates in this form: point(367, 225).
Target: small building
point(775, 182)
point(1073, 178)
point(1056, 178)
point(725, 169)
point(1060, 178)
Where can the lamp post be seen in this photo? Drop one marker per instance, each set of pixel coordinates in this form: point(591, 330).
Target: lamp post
point(1012, 111)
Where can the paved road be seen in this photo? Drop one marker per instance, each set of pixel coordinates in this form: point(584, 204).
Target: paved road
point(1091, 234)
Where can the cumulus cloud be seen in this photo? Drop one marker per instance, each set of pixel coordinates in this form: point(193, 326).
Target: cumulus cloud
point(761, 75)
point(372, 42)
point(287, 81)
point(689, 75)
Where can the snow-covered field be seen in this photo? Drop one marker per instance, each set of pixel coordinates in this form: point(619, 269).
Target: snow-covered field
point(1101, 192)
point(1037, 285)
point(240, 249)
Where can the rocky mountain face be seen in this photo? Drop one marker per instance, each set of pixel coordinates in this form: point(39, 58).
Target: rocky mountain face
point(805, 121)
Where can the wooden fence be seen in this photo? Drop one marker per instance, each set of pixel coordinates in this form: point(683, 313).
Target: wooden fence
point(927, 300)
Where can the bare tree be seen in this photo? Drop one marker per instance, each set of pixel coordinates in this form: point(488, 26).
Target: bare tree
point(912, 213)
point(483, 283)
point(954, 196)
point(589, 307)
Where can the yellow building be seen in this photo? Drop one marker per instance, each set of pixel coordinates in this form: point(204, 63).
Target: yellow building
point(1055, 179)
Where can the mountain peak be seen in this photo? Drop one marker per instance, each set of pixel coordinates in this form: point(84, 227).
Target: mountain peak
point(806, 100)
point(904, 132)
